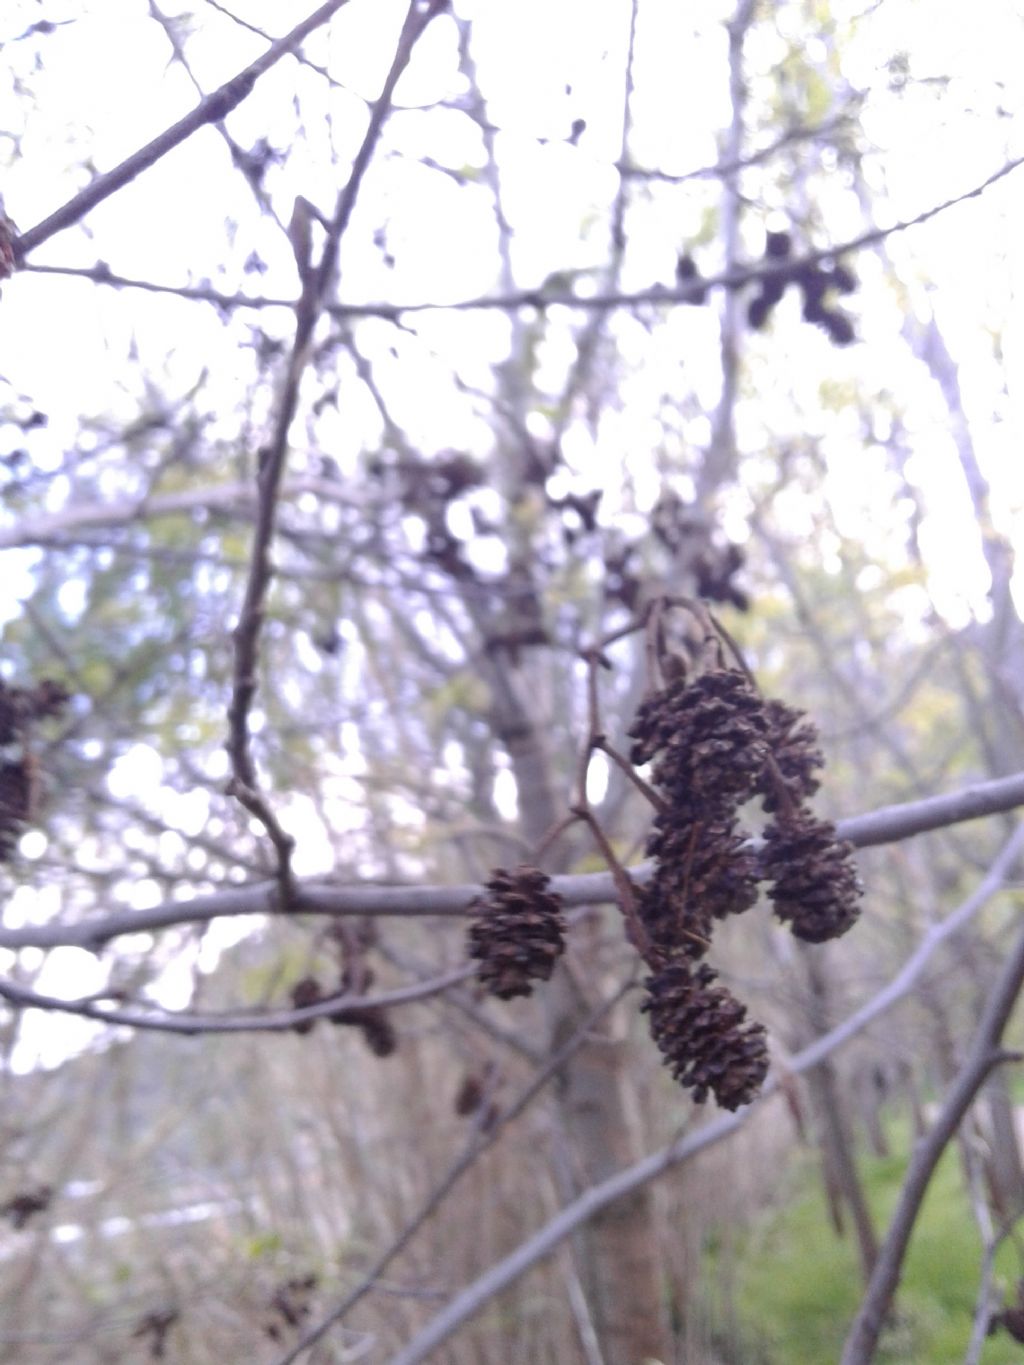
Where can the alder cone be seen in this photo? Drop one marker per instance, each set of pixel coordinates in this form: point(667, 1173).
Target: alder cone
point(469, 1096)
point(797, 757)
point(518, 931)
point(814, 883)
point(705, 871)
point(699, 1027)
point(305, 992)
point(376, 1027)
point(1012, 1319)
point(708, 739)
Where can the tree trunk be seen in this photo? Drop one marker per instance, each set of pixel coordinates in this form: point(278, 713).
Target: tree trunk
point(621, 1272)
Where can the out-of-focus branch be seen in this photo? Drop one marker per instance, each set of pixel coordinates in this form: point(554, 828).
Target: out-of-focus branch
point(237, 498)
point(214, 107)
point(887, 825)
point(299, 56)
point(263, 1022)
point(236, 153)
point(196, 293)
point(536, 1248)
point(730, 166)
point(983, 1303)
point(986, 1053)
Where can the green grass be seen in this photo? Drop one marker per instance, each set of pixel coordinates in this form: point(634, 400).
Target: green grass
point(797, 1285)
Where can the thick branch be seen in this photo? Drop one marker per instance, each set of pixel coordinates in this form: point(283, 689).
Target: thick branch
point(887, 825)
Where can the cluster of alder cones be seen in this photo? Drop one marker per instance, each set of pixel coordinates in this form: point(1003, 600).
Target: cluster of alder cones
point(714, 744)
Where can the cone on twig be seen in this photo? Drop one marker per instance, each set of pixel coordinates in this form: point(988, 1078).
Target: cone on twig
point(699, 1027)
point(374, 1024)
point(814, 883)
point(796, 756)
point(518, 931)
point(707, 738)
point(304, 993)
point(704, 871)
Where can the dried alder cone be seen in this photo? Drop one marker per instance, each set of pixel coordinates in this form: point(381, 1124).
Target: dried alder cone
point(372, 1021)
point(700, 1029)
point(714, 744)
point(704, 870)
point(707, 738)
point(814, 883)
point(518, 931)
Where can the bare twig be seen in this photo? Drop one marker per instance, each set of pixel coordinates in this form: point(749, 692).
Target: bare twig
point(236, 152)
point(543, 299)
point(196, 293)
point(731, 166)
point(214, 107)
point(278, 1021)
point(239, 499)
point(299, 56)
point(244, 782)
point(983, 1303)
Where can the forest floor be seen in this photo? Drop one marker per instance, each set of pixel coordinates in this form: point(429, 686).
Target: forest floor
point(794, 1286)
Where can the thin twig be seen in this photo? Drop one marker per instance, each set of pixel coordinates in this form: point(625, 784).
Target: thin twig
point(625, 891)
point(983, 1303)
point(193, 1024)
point(543, 299)
point(623, 764)
point(730, 167)
point(214, 107)
point(244, 782)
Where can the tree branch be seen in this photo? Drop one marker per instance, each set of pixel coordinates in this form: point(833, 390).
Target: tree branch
point(244, 782)
point(886, 825)
point(542, 299)
point(262, 1022)
point(215, 106)
point(223, 497)
point(862, 1341)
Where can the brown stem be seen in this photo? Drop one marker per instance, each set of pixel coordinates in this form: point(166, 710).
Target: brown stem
point(646, 790)
point(635, 931)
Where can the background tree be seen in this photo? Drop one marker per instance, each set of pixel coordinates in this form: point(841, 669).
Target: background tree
point(386, 404)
